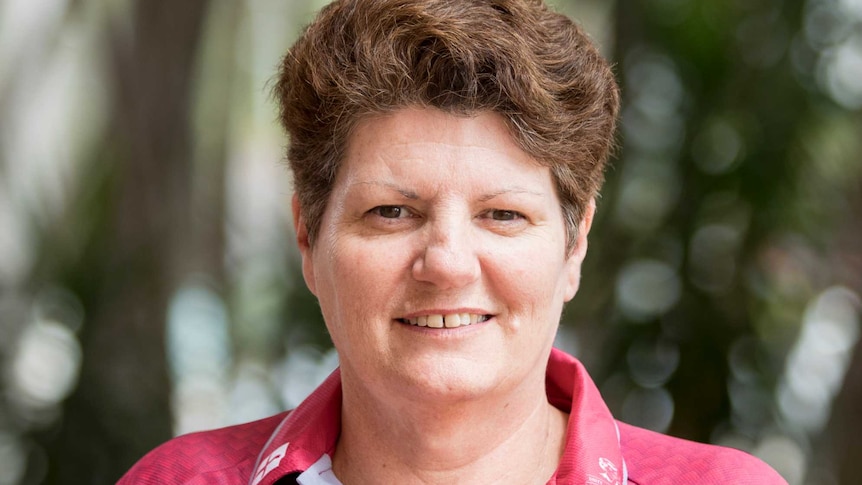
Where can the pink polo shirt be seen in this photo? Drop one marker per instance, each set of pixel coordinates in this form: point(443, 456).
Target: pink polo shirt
point(599, 450)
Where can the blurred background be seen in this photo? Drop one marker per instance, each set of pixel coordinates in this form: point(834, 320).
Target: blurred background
point(149, 283)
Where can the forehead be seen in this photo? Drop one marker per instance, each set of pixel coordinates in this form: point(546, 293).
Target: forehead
point(436, 139)
point(431, 124)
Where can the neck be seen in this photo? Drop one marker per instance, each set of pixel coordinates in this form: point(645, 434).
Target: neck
point(506, 439)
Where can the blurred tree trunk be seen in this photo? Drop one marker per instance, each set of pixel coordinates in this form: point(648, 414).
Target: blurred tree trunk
point(843, 447)
point(839, 448)
point(134, 260)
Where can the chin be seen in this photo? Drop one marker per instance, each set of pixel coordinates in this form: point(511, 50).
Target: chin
point(444, 383)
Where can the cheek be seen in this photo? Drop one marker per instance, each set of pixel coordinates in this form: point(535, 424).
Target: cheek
point(532, 285)
point(362, 278)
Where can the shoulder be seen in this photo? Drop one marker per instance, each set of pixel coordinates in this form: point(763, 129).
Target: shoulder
point(224, 455)
point(653, 458)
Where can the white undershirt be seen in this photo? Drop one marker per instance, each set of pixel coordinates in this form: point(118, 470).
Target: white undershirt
point(319, 474)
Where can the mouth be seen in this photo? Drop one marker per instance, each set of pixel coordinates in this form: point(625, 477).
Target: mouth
point(453, 320)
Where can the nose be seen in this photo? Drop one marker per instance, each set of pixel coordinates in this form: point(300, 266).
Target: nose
point(448, 257)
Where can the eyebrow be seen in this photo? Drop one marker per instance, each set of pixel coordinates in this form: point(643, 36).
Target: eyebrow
point(509, 190)
point(408, 194)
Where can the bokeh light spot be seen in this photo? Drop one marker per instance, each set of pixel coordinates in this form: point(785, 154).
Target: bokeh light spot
point(647, 288)
point(649, 408)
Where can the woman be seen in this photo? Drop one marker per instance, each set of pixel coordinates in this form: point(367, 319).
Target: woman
point(446, 158)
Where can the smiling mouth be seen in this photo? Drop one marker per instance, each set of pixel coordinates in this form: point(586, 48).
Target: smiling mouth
point(446, 321)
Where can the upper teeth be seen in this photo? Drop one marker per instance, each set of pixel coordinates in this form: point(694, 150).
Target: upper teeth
point(449, 321)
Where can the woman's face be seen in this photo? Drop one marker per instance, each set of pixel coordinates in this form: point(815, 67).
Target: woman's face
point(441, 266)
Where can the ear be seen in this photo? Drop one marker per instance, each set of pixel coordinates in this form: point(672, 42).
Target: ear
point(304, 244)
point(579, 252)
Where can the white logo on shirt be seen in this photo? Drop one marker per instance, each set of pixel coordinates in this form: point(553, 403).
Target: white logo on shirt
point(609, 470)
point(270, 463)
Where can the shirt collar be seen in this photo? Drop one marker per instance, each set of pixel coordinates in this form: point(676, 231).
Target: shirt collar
point(592, 453)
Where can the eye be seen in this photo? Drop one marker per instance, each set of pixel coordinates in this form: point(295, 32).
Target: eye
point(390, 211)
point(504, 215)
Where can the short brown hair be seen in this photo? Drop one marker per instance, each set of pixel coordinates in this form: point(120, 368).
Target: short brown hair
point(535, 67)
